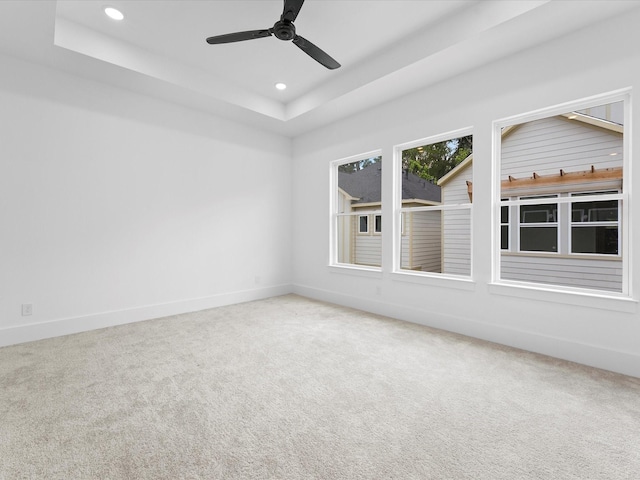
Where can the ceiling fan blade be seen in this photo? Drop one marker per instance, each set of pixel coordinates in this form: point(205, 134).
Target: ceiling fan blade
point(239, 36)
point(316, 53)
point(291, 9)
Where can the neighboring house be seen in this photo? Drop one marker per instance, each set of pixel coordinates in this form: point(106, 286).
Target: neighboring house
point(360, 239)
point(456, 224)
point(573, 244)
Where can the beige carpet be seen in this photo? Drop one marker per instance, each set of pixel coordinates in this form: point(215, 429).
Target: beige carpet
point(289, 388)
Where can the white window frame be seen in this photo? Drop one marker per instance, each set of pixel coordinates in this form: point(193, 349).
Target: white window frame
point(530, 290)
point(520, 224)
point(505, 224)
point(399, 227)
point(588, 197)
point(375, 224)
point(360, 217)
point(334, 215)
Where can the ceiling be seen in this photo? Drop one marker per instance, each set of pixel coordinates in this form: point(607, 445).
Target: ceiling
point(387, 48)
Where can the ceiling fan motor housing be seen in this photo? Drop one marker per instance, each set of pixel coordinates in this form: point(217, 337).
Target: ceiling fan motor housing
point(284, 30)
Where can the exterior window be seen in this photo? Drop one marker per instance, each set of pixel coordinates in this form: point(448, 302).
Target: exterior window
point(363, 224)
point(356, 207)
point(504, 228)
point(435, 181)
point(378, 224)
point(563, 186)
point(595, 225)
point(538, 227)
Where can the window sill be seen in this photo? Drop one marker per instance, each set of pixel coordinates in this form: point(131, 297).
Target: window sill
point(435, 279)
point(564, 295)
point(573, 256)
point(351, 269)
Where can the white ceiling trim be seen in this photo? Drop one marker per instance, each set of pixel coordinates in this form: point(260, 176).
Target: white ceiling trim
point(85, 41)
point(454, 40)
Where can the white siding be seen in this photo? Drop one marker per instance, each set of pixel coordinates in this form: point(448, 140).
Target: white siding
point(405, 243)
point(424, 240)
point(457, 242)
point(368, 249)
point(456, 225)
point(455, 190)
point(345, 230)
point(571, 272)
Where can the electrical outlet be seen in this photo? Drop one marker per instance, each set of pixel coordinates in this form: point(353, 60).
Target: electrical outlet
point(27, 309)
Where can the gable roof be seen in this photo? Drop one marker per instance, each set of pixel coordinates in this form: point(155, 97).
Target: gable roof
point(593, 121)
point(415, 187)
point(366, 185)
point(456, 170)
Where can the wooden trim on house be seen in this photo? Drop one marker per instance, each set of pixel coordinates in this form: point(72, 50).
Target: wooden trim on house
point(561, 178)
point(506, 131)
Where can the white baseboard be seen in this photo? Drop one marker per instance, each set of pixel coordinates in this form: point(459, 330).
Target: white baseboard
point(591, 355)
point(66, 326)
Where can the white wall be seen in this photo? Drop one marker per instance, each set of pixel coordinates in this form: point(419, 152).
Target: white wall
point(115, 207)
point(591, 330)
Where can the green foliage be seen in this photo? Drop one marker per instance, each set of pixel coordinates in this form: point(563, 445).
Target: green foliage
point(355, 166)
point(434, 161)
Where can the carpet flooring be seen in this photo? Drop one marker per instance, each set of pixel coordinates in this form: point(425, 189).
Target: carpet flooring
point(290, 388)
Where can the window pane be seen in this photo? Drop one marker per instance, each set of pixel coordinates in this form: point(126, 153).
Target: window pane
point(605, 211)
point(378, 225)
point(538, 213)
point(357, 249)
point(364, 224)
point(421, 246)
point(440, 173)
point(504, 214)
point(539, 239)
point(456, 254)
point(346, 239)
point(504, 237)
point(565, 157)
point(595, 239)
point(359, 183)
point(429, 163)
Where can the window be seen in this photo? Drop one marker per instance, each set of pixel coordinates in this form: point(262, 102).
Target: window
point(562, 196)
point(434, 197)
point(378, 224)
point(504, 227)
point(363, 224)
point(595, 225)
point(356, 211)
point(539, 226)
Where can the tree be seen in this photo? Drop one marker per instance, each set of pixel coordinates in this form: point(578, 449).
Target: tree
point(434, 161)
point(355, 166)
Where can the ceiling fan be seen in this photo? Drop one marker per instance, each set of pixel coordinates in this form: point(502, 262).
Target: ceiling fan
point(284, 30)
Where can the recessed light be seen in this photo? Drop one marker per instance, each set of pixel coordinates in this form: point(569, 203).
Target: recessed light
point(281, 86)
point(571, 117)
point(113, 13)
point(613, 154)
